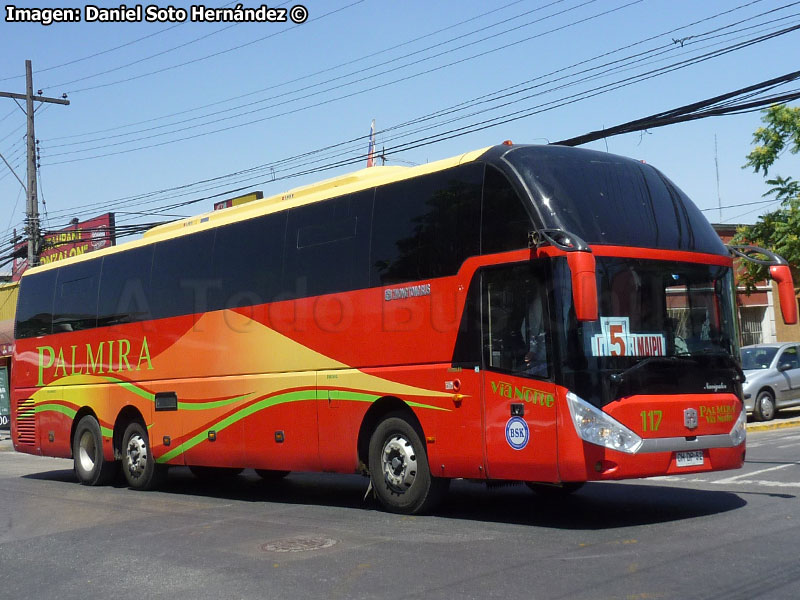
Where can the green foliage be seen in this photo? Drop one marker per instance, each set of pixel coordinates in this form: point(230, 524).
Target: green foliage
point(782, 130)
point(778, 230)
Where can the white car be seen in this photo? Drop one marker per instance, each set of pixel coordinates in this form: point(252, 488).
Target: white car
point(772, 378)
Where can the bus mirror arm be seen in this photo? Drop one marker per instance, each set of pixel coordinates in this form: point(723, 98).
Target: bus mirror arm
point(779, 271)
point(563, 240)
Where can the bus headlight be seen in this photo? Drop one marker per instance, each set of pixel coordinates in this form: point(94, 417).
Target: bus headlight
point(739, 432)
point(596, 427)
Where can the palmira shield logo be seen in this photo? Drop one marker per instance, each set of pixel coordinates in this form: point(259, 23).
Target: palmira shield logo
point(690, 418)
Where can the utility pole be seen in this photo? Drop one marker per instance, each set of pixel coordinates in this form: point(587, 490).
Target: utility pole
point(32, 212)
point(716, 165)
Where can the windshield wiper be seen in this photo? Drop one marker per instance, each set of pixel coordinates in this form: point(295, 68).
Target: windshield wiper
point(664, 360)
point(685, 357)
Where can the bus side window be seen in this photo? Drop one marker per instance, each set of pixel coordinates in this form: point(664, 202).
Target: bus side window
point(35, 305)
point(76, 296)
point(248, 258)
point(504, 221)
point(125, 287)
point(327, 246)
point(515, 321)
point(182, 275)
point(427, 226)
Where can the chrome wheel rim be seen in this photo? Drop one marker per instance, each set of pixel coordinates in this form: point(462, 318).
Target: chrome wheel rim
point(399, 462)
point(136, 456)
point(767, 407)
point(87, 452)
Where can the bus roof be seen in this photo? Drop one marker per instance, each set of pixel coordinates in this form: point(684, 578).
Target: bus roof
point(299, 196)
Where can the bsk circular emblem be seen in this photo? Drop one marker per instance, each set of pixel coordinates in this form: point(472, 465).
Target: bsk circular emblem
point(517, 433)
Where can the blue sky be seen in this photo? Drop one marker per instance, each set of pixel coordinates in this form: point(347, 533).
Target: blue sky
point(156, 106)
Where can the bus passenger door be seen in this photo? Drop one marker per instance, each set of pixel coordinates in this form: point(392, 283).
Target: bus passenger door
point(518, 393)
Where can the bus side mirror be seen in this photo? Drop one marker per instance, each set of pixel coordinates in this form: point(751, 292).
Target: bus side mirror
point(783, 277)
point(584, 284)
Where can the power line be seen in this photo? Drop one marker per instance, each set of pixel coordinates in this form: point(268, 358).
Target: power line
point(250, 170)
point(327, 101)
point(297, 79)
point(690, 111)
point(100, 53)
point(732, 106)
point(206, 57)
point(758, 202)
point(331, 80)
point(250, 122)
point(295, 110)
point(151, 56)
point(140, 60)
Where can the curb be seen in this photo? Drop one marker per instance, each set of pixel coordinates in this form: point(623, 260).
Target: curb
point(773, 425)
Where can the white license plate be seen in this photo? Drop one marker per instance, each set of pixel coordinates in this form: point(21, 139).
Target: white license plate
point(691, 458)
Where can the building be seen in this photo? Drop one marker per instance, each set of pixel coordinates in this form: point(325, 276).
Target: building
point(8, 304)
point(759, 317)
point(784, 332)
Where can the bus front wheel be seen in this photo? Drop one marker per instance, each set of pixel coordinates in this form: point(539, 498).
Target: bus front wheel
point(138, 464)
point(271, 475)
point(398, 466)
point(91, 468)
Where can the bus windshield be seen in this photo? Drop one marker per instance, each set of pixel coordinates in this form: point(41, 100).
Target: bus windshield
point(676, 319)
point(584, 192)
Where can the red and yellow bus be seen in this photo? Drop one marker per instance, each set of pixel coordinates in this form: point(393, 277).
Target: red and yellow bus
point(540, 314)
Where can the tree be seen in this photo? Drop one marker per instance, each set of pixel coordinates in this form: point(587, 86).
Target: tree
point(778, 230)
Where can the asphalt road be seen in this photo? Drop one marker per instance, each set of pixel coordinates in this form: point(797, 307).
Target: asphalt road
point(730, 535)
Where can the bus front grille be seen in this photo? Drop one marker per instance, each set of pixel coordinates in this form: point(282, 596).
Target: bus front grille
point(26, 422)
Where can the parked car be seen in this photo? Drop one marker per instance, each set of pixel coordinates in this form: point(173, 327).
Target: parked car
point(772, 378)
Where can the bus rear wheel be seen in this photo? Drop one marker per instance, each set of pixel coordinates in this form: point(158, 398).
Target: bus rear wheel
point(91, 467)
point(138, 464)
point(398, 466)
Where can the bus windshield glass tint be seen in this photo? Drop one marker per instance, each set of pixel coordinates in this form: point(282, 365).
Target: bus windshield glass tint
point(586, 192)
point(678, 317)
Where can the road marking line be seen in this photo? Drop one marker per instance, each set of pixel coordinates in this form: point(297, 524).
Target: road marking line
point(732, 479)
point(763, 482)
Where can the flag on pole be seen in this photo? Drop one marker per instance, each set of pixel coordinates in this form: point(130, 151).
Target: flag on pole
point(371, 149)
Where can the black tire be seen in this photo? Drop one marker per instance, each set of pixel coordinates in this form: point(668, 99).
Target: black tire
point(91, 468)
point(398, 466)
point(138, 465)
point(555, 490)
point(764, 408)
point(212, 473)
point(271, 475)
